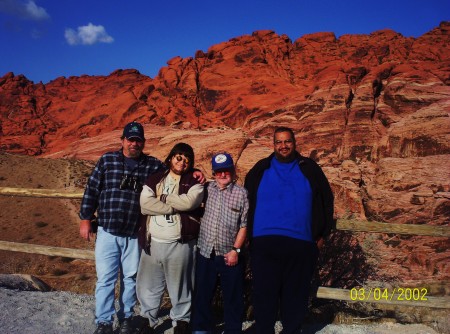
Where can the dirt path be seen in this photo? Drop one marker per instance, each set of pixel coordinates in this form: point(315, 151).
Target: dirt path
point(31, 312)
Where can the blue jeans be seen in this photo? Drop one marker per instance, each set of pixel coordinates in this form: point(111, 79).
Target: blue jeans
point(115, 255)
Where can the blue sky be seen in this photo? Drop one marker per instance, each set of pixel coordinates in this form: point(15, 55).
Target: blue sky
point(46, 39)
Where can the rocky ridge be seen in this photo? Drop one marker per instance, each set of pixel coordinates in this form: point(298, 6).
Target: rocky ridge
point(373, 110)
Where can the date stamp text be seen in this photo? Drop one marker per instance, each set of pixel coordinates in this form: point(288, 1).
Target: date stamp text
point(389, 294)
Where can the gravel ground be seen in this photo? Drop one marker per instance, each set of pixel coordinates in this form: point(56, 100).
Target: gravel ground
point(35, 312)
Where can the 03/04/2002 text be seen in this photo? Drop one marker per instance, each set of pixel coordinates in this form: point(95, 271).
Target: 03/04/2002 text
point(399, 294)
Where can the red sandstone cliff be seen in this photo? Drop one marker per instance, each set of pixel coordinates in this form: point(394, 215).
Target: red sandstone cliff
point(353, 90)
point(373, 110)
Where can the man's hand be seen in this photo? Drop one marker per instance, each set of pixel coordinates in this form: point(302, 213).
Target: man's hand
point(320, 243)
point(231, 258)
point(86, 229)
point(199, 176)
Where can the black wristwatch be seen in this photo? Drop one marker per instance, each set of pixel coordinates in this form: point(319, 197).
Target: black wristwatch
point(237, 250)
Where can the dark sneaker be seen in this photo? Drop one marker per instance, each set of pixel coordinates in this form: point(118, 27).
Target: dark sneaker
point(182, 327)
point(126, 327)
point(103, 328)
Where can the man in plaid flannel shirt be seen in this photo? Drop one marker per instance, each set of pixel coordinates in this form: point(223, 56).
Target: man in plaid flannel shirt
point(113, 190)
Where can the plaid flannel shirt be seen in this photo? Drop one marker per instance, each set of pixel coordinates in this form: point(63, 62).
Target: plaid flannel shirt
point(225, 213)
point(118, 211)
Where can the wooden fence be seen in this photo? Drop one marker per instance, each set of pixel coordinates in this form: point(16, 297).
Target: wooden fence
point(412, 297)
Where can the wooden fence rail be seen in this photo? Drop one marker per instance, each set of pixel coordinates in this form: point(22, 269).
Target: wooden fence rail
point(50, 193)
point(85, 254)
point(393, 298)
point(322, 292)
point(341, 224)
point(378, 227)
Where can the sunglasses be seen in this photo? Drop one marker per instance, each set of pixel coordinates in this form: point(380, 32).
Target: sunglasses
point(222, 172)
point(180, 157)
point(135, 139)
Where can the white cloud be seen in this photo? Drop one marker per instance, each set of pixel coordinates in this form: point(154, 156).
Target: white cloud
point(27, 10)
point(35, 11)
point(71, 37)
point(88, 35)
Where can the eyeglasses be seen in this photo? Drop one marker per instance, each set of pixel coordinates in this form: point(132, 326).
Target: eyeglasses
point(222, 172)
point(286, 142)
point(180, 157)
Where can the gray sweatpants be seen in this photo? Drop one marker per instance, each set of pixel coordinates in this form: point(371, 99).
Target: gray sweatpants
point(171, 265)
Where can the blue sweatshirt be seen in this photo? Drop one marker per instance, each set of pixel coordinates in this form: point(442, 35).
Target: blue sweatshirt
point(284, 202)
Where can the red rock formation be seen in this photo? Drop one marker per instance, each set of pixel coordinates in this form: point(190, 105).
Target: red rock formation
point(354, 87)
point(373, 110)
point(37, 117)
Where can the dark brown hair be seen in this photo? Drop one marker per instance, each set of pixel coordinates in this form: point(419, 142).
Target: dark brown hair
point(284, 129)
point(184, 149)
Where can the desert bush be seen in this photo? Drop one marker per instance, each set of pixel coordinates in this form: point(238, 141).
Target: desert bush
point(83, 277)
point(59, 272)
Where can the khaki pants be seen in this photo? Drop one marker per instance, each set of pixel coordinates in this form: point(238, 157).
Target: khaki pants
point(170, 265)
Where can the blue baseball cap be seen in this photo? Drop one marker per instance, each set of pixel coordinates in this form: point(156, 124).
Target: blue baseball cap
point(133, 130)
point(222, 161)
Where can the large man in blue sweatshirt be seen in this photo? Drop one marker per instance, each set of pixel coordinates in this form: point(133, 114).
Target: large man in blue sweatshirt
point(291, 211)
